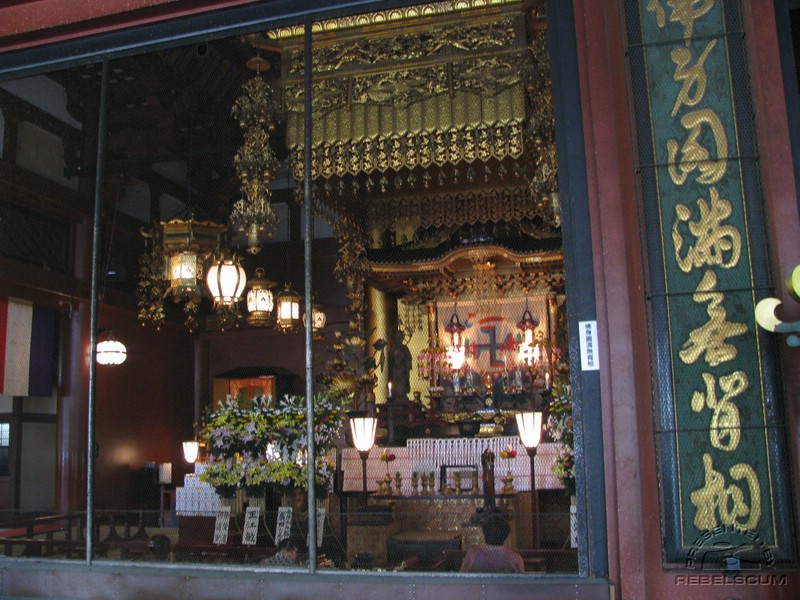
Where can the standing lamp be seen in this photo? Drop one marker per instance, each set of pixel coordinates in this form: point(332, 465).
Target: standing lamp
point(529, 425)
point(363, 429)
point(190, 451)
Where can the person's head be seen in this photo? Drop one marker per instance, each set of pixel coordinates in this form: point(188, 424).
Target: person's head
point(495, 528)
point(293, 546)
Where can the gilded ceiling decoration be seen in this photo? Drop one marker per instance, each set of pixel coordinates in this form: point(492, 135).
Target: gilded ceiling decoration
point(426, 120)
point(389, 17)
point(423, 149)
point(447, 209)
point(404, 47)
point(422, 289)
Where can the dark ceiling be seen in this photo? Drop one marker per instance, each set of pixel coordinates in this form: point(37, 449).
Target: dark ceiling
point(169, 121)
point(170, 130)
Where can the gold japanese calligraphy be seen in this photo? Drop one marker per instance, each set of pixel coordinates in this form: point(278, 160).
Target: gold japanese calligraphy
point(710, 340)
point(725, 431)
point(716, 244)
point(685, 12)
point(718, 503)
point(706, 239)
point(693, 154)
point(694, 77)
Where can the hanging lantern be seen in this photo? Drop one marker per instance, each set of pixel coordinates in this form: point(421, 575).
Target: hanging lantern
point(455, 329)
point(183, 270)
point(111, 352)
point(526, 348)
point(260, 302)
point(528, 325)
point(318, 320)
point(226, 280)
point(287, 310)
point(186, 244)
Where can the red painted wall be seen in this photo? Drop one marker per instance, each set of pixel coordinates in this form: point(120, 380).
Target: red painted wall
point(144, 407)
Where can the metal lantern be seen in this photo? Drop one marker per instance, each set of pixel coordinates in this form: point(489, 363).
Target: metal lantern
point(183, 271)
point(287, 310)
point(185, 246)
point(318, 320)
point(226, 280)
point(260, 301)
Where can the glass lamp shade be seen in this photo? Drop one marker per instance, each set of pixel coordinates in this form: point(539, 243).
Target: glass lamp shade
point(226, 280)
point(529, 424)
point(287, 309)
point(110, 352)
point(190, 451)
point(363, 430)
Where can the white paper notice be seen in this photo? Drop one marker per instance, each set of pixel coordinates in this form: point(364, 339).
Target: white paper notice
point(221, 525)
point(590, 357)
point(320, 525)
point(250, 532)
point(284, 526)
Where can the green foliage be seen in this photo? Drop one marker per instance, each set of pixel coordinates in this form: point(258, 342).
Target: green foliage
point(260, 445)
point(560, 425)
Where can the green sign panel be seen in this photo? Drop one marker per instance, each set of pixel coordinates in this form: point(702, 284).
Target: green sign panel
point(717, 450)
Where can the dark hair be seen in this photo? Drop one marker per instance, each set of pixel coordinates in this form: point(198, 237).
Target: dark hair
point(293, 543)
point(495, 528)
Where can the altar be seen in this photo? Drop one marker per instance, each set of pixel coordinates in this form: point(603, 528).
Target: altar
point(437, 456)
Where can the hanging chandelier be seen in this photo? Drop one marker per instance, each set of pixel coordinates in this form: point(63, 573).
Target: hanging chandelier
point(456, 353)
point(455, 329)
point(255, 163)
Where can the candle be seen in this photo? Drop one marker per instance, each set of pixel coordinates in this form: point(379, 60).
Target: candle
point(390, 389)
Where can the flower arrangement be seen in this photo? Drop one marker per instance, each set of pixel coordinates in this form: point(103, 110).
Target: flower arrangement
point(559, 423)
point(508, 453)
point(387, 457)
point(253, 447)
